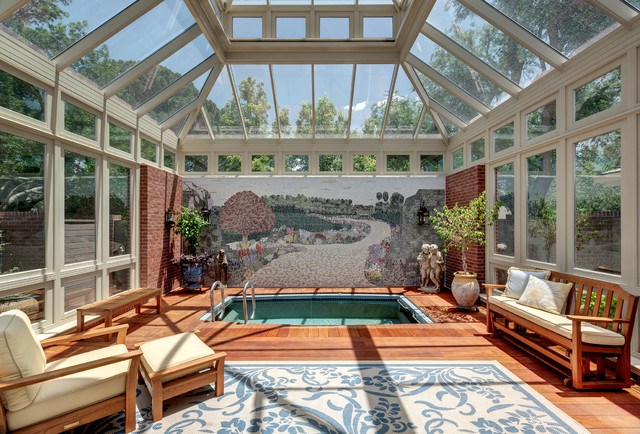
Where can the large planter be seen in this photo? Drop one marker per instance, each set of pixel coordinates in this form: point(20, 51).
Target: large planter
point(192, 275)
point(465, 289)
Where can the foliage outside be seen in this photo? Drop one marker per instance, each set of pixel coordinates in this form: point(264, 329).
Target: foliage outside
point(463, 226)
point(189, 224)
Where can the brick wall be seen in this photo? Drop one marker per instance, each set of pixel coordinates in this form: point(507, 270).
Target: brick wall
point(461, 187)
point(159, 191)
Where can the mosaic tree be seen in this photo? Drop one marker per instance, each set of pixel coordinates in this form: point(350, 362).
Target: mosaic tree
point(245, 213)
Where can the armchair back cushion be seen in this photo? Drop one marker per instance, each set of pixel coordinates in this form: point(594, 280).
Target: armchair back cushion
point(20, 356)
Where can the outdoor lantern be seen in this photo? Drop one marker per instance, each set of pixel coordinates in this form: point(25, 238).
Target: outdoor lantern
point(423, 213)
point(168, 218)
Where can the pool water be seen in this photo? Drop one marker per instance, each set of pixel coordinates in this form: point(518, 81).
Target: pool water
point(324, 310)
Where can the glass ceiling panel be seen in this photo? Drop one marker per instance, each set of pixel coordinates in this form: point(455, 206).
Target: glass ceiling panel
point(332, 91)
point(178, 126)
point(486, 42)
point(566, 25)
point(428, 127)
point(171, 69)
point(61, 24)
point(222, 110)
point(405, 110)
point(179, 100)
point(253, 87)
point(634, 3)
point(448, 100)
point(451, 128)
point(199, 127)
point(293, 93)
point(370, 97)
point(135, 42)
point(458, 72)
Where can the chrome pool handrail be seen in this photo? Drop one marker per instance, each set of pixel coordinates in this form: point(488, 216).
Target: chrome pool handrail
point(222, 288)
point(244, 300)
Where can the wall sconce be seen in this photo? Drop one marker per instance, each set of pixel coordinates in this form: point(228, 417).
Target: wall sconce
point(168, 219)
point(423, 213)
point(205, 212)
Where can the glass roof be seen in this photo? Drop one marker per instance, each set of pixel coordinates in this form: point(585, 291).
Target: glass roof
point(467, 60)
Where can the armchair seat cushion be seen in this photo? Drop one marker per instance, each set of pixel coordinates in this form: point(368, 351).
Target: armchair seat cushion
point(559, 324)
point(65, 394)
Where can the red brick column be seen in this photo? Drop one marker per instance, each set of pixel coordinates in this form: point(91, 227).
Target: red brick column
point(159, 191)
point(461, 187)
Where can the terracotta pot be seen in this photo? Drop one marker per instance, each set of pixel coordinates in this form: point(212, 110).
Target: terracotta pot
point(465, 289)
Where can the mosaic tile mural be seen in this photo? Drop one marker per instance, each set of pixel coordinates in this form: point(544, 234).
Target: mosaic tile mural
point(317, 231)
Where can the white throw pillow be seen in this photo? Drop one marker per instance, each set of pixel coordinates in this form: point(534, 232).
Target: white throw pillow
point(545, 295)
point(517, 279)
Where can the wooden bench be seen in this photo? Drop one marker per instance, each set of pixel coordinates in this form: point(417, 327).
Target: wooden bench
point(603, 310)
point(119, 304)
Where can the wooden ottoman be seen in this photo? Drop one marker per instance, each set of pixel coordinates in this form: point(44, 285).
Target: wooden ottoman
point(177, 364)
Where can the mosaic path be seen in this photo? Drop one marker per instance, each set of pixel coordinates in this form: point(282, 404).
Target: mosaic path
point(326, 265)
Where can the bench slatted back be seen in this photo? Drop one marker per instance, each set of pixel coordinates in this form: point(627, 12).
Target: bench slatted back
point(591, 297)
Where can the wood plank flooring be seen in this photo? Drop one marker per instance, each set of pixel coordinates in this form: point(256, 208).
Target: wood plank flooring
point(599, 412)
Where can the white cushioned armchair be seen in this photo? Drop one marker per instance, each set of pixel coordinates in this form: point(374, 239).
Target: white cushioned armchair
point(40, 396)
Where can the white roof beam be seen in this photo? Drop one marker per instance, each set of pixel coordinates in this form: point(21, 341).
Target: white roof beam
point(176, 86)
point(147, 64)
point(470, 59)
point(443, 81)
point(392, 89)
point(205, 13)
point(232, 79)
point(104, 32)
point(7, 7)
point(516, 32)
point(414, 17)
point(179, 115)
point(426, 100)
point(619, 11)
point(202, 98)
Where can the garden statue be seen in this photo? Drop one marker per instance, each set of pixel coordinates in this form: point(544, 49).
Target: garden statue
point(436, 264)
point(221, 267)
point(431, 265)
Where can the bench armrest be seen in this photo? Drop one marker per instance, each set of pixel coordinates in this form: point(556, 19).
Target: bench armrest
point(121, 330)
point(489, 287)
point(57, 373)
point(582, 318)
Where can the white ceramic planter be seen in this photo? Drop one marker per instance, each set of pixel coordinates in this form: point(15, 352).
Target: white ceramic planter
point(465, 289)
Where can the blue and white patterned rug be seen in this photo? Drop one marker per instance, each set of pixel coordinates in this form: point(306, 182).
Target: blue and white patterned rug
point(348, 397)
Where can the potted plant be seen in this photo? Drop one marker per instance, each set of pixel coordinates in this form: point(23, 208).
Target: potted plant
point(462, 227)
point(189, 225)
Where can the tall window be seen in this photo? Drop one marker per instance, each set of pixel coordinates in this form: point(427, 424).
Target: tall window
point(79, 208)
point(541, 207)
point(477, 149)
point(169, 159)
point(22, 240)
point(119, 281)
point(504, 226)
point(597, 203)
point(457, 158)
point(119, 210)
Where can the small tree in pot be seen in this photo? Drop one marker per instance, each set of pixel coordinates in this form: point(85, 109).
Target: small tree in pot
point(461, 227)
point(189, 225)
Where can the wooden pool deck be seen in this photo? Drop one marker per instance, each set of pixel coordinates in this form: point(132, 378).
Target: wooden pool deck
point(599, 412)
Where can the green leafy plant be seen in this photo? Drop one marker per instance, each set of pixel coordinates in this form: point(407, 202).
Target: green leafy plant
point(189, 224)
point(461, 227)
